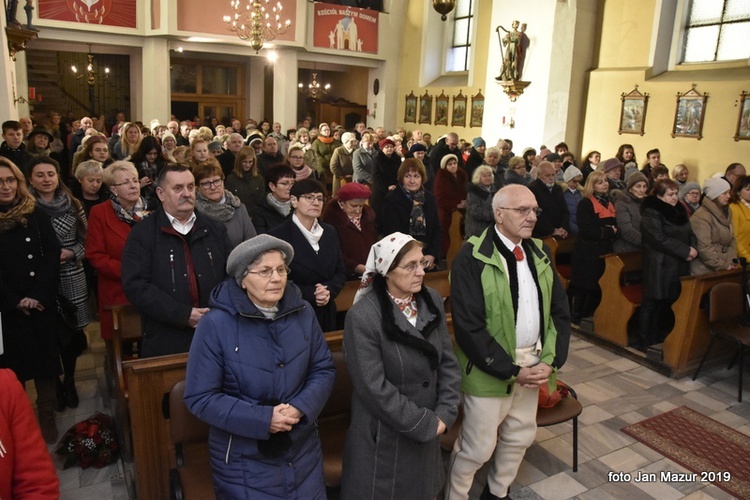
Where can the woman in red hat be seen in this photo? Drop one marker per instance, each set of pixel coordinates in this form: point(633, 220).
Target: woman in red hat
point(354, 221)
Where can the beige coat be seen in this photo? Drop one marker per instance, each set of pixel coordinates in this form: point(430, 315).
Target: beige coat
point(717, 247)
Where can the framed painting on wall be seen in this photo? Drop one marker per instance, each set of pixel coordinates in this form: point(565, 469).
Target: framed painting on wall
point(459, 110)
point(633, 112)
point(441, 109)
point(425, 108)
point(743, 121)
point(689, 115)
point(410, 112)
point(477, 110)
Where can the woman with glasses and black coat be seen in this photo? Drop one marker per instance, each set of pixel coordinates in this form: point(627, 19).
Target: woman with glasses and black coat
point(318, 267)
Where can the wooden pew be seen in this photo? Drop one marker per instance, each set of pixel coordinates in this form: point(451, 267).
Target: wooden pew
point(689, 338)
point(345, 298)
point(149, 379)
point(619, 300)
point(562, 248)
point(127, 330)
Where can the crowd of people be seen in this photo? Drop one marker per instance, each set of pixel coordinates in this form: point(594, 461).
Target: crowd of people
point(216, 230)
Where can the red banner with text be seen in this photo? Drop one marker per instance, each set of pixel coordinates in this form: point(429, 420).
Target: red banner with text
point(344, 28)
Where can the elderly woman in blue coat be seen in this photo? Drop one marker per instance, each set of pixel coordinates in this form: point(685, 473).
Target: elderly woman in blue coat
point(259, 373)
point(406, 378)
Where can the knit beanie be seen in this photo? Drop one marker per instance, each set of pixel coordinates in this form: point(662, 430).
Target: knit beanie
point(635, 178)
point(715, 186)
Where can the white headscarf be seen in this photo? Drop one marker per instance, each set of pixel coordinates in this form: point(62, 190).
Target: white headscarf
point(380, 259)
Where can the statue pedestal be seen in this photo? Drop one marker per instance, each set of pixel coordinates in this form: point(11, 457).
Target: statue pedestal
point(513, 88)
point(18, 38)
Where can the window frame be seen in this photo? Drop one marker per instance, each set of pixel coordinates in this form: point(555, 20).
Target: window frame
point(685, 28)
point(469, 37)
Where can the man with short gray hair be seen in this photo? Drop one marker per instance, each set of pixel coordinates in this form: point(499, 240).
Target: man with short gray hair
point(512, 329)
point(227, 158)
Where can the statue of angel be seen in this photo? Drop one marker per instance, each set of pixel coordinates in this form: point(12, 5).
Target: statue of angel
point(513, 54)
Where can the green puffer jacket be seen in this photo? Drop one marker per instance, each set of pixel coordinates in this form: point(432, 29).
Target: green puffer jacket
point(484, 317)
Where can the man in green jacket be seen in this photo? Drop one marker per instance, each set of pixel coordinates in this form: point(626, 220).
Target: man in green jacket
point(512, 328)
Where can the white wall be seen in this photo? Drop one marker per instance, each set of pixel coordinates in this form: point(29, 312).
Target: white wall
point(557, 57)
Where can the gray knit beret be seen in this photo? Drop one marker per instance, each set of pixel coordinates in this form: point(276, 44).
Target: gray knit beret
point(246, 252)
point(687, 187)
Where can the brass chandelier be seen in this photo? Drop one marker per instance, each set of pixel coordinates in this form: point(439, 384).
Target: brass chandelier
point(314, 89)
point(256, 20)
point(90, 75)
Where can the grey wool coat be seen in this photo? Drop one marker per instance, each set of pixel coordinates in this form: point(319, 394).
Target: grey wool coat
point(392, 450)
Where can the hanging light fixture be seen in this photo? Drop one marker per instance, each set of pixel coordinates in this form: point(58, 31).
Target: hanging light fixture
point(314, 89)
point(257, 21)
point(444, 7)
point(90, 75)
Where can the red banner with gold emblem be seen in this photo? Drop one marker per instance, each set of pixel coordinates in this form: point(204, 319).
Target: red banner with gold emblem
point(121, 13)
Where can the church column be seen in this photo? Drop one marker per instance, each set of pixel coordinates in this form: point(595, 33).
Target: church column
point(8, 109)
point(285, 89)
point(150, 91)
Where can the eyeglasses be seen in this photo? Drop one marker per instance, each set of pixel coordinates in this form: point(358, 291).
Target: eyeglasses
point(412, 268)
point(267, 272)
point(128, 182)
point(524, 211)
point(213, 183)
point(285, 183)
point(295, 157)
point(311, 198)
point(10, 182)
point(693, 193)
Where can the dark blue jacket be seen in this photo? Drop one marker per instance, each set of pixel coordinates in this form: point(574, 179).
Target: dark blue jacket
point(240, 365)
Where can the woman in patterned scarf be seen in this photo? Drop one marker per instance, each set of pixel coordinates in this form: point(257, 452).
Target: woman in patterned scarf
point(109, 226)
point(219, 204)
point(412, 210)
point(70, 225)
point(406, 378)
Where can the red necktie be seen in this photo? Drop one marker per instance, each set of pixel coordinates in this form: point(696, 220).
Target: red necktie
point(518, 253)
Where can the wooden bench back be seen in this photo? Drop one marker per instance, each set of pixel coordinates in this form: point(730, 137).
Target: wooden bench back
point(689, 337)
point(615, 309)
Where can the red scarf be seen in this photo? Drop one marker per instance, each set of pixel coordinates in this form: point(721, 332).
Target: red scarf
point(600, 210)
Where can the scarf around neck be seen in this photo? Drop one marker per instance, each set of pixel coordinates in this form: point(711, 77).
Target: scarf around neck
point(222, 210)
point(60, 205)
point(417, 224)
point(16, 214)
point(312, 235)
point(131, 217)
point(302, 173)
point(283, 207)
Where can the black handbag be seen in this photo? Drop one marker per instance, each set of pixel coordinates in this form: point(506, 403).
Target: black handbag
point(66, 310)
